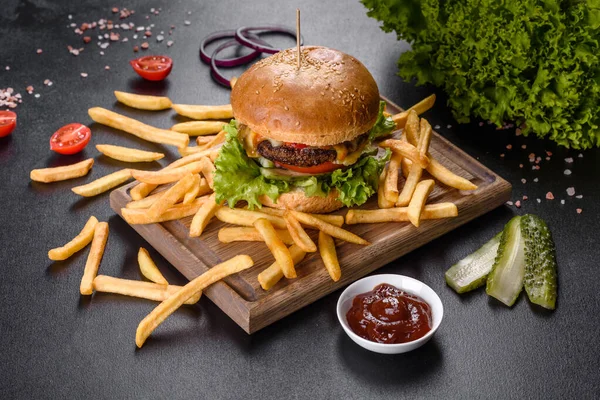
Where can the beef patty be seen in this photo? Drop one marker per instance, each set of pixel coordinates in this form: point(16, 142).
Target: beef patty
point(306, 157)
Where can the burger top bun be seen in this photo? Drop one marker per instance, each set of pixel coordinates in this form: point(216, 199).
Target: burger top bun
point(331, 99)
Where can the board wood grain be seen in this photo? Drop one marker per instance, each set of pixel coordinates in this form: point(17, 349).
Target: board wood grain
point(241, 297)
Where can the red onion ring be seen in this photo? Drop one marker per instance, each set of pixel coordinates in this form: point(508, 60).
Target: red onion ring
point(241, 33)
point(214, 67)
point(225, 62)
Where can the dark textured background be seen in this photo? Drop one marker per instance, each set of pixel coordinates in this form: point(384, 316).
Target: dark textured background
point(55, 344)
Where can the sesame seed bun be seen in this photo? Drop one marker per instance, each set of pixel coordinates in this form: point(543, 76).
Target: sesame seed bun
point(331, 99)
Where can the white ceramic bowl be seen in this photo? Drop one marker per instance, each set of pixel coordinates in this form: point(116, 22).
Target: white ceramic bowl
point(405, 283)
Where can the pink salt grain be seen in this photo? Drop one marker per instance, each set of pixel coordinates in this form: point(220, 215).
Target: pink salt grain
point(549, 196)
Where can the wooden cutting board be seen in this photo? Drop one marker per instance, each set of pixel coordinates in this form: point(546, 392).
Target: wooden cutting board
point(241, 297)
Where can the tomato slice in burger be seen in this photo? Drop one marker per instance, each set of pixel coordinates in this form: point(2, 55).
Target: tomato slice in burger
point(152, 68)
point(8, 121)
point(70, 139)
point(316, 169)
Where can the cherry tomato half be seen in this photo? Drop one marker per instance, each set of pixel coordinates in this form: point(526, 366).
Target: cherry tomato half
point(317, 169)
point(8, 121)
point(70, 139)
point(152, 68)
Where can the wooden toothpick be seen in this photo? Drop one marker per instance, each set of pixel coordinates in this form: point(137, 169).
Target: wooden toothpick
point(298, 34)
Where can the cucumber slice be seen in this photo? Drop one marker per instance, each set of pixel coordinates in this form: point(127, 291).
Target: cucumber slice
point(540, 262)
point(505, 281)
point(471, 272)
point(270, 173)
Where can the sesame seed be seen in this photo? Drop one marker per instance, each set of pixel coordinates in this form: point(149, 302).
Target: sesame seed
point(524, 146)
point(567, 172)
point(580, 155)
point(510, 203)
point(538, 200)
point(187, 23)
point(535, 180)
point(579, 196)
point(37, 95)
point(170, 43)
point(39, 51)
point(160, 38)
point(523, 180)
point(562, 201)
point(569, 160)
point(571, 191)
point(437, 127)
point(83, 75)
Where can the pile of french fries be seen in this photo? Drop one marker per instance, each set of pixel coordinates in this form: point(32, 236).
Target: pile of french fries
point(184, 188)
point(411, 156)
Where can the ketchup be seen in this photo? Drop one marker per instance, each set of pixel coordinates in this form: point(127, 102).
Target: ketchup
point(389, 315)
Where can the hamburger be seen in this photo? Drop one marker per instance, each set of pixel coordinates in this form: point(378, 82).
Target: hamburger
point(301, 138)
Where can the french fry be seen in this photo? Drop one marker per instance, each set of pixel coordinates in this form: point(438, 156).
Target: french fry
point(149, 269)
point(56, 174)
point(137, 128)
point(406, 150)
point(168, 306)
point(412, 128)
point(417, 203)
point(94, 257)
point(299, 235)
point(103, 184)
point(250, 234)
point(199, 188)
point(406, 163)
point(127, 154)
point(270, 276)
point(204, 112)
point(199, 128)
point(202, 140)
point(139, 289)
point(143, 102)
point(139, 216)
point(420, 108)
point(328, 228)
point(238, 216)
point(186, 151)
point(170, 196)
point(337, 220)
point(146, 202)
point(438, 171)
point(203, 216)
point(233, 81)
point(280, 252)
point(415, 173)
point(82, 239)
point(208, 170)
point(447, 177)
point(390, 186)
point(167, 175)
point(217, 140)
point(382, 202)
point(329, 256)
point(400, 214)
point(141, 190)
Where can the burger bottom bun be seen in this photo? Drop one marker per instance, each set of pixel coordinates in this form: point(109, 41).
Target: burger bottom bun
point(297, 200)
